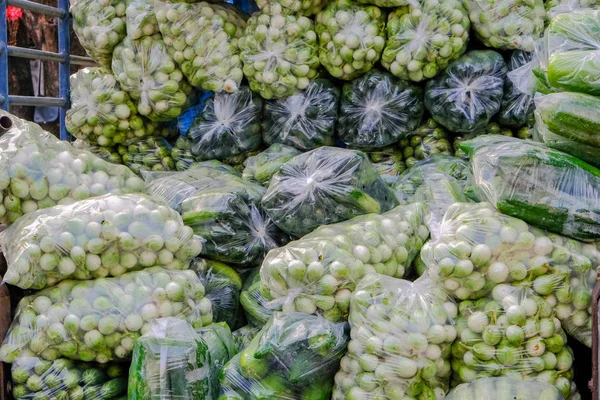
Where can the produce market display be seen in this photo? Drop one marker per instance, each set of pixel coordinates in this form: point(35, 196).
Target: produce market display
point(425, 141)
point(498, 388)
point(261, 167)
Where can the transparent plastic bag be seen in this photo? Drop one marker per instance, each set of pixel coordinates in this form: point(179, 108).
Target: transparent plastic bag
point(141, 19)
point(229, 125)
point(146, 154)
point(279, 53)
point(351, 38)
point(424, 38)
point(254, 300)
point(401, 334)
point(244, 336)
point(555, 7)
point(109, 154)
point(517, 107)
point(317, 273)
point(427, 140)
point(100, 320)
point(39, 171)
point(477, 250)
point(36, 378)
point(377, 110)
point(305, 120)
point(203, 39)
point(294, 356)
point(388, 162)
point(261, 167)
point(500, 388)
point(468, 93)
point(305, 7)
point(324, 186)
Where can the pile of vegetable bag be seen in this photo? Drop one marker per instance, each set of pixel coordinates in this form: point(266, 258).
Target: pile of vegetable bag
point(261, 167)
point(146, 154)
point(425, 141)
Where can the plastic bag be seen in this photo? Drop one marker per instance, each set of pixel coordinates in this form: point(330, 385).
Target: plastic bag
point(317, 273)
point(101, 319)
point(245, 335)
point(427, 140)
point(141, 19)
point(304, 7)
point(555, 7)
point(99, 26)
point(477, 250)
point(468, 93)
point(109, 154)
point(424, 38)
point(203, 39)
point(228, 125)
point(512, 333)
point(39, 171)
point(377, 110)
point(293, 357)
point(351, 38)
point(35, 378)
point(146, 154)
point(388, 162)
point(279, 53)
point(324, 186)
point(517, 107)
point(305, 120)
point(261, 167)
point(500, 388)
point(253, 300)
point(402, 334)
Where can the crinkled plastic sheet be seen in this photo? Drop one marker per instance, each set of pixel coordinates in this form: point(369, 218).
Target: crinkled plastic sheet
point(306, 119)
point(555, 7)
point(261, 167)
point(244, 336)
point(141, 19)
point(498, 388)
point(147, 154)
point(324, 186)
point(294, 356)
point(477, 250)
point(424, 37)
point(426, 141)
point(468, 93)
point(517, 107)
point(401, 334)
point(100, 320)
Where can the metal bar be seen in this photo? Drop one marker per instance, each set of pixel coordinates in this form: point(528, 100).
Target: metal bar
point(3, 57)
point(38, 8)
point(79, 60)
point(34, 54)
point(64, 68)
point(37, 101)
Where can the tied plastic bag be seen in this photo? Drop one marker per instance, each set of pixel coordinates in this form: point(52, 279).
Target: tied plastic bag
point(305, 120)
point(203, 39)
point(146, 154)
point(499, 388)
point(511, 333)
point(388, 162)
point(99, 26)
point(279, 53)
point(39, 171)
point(228, 125)
point(253, 300)
point(305, 7)
point(109, 154)
point(424, 38)
point(478, 249)
point(517, 107)
point(244, 336)
point(294, 356)
point(317, 273)
point(100, 320)
point(555, 7)
point(468, 93)
point(261, 167)
point(351, 38)
point(427, 140)
point(377, 110)
point(401, 334)
point(35, 378)
point(141, 19)
point(324, 186)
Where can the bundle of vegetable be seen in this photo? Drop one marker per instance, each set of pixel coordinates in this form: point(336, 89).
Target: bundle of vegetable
point(203, 39)
point(244, 336)
point(424, 37)
point(38, 171)
point(261, 167)
point(146, 154)
point(555, 7)
point(237, 162)
point(478, 249)
point(401, 334)
point(99, 26)
point(303, 7)
point(511, 333)
point(109, 154)
point(101, 319)
point(491, 129)
point(517, 107)
point(141, 19)
point(468, 93)
point(504, 387)
point(254, 300)
point(293, 357)
point(351, 38)
point(305, 120)
point(319, 272)
point(324, 186)
point(279, 53)
point(147, 72)
point(35, 378)
point(428, 139)
point(181, 153)
point(388, 163)
point(544, 187)
point(228, 125)
point(507, 24)
point(377, 109)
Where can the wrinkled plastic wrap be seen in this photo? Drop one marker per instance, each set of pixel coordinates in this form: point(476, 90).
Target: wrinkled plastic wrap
point(293, 7)
point(141, 19)
point(244, 336)
point(511, 333)
point(39, 171)
point(146, 154)
point(35, 378)
point(351, 38)
point(253, 300)
point(424, 37)
point(427, 140)
point(305, 120)
point(517, 107)
point(294, 356)
point(109, 154)
point(229, 125)
point(279, 53)
point(324, 186)
point(468, 93)
point(388, 162)
point(555, 7)
point(100, 320)
point(317, 273)
point(181, 153)
point(377, 110)
point(478, 250)
point(401, 334)
point(203, 39)
point(261, 167)
point(499, 388)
